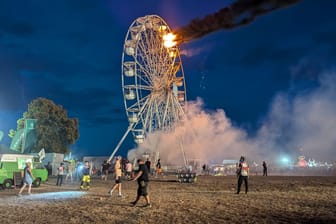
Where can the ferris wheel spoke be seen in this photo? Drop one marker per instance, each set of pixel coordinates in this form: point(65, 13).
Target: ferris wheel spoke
point(143, 87)
point(153, 120)
point(158, 114)
point(173, 110)
point(139, 104)
point(165, 111)
point(144, 80)
point(178, 107)
point(144, 75)
point(145, 118)
point(149, 118)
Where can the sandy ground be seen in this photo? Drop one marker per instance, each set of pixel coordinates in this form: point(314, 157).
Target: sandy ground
point(272, 199)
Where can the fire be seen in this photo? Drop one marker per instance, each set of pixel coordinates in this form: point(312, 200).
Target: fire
point(169, 40)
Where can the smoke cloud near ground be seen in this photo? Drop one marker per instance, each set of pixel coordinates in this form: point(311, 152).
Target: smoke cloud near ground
point(304, 125)
point(301, 125)
point(239, 13)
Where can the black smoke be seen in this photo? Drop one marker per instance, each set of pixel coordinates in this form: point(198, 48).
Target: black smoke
point(237, 14)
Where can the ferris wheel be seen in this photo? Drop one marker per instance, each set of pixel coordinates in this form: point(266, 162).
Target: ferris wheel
point(153, 83)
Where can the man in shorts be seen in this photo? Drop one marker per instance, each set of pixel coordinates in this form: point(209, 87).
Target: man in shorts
point(118, 173)
point(142, 179)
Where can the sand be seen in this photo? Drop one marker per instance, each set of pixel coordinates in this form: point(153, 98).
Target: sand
point(272, 199)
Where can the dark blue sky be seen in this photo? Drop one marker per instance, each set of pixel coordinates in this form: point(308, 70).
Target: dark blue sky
point(70, 51)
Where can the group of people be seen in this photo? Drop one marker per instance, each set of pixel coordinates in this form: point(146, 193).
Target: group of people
point(142, 177)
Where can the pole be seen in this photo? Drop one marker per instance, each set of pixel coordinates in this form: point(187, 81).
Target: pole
point(121, 141)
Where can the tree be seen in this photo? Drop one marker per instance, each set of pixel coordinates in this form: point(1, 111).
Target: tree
point(54, 130)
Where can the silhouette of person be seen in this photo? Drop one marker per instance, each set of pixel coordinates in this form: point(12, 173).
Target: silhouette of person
point(264, 168)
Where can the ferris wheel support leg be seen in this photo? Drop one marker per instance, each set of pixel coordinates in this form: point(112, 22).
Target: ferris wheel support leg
point(121, 141)
point(183, 154)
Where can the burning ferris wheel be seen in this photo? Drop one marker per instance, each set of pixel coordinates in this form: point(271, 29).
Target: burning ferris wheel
point(153, 81)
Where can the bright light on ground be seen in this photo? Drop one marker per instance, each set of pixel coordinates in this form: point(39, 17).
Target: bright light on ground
point(53, 195)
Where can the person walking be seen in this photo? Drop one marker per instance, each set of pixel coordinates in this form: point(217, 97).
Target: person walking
point(60, 174)
point(142, 179)
point(129, 170)
point(71, 170)
point(27, 178)
point(118, 173)
point(264, 168)
point(158, 168)
point(49, 169)
point(243, 172)
point(85, 184)
point(104, 170)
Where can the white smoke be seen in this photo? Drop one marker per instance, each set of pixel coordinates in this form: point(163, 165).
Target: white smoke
point(206, 137)
point(305, 125)
point(301, 125)
point(192, 52)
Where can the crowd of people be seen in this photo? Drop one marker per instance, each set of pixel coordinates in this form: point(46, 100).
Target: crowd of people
point(122, 169)
point(83, 173)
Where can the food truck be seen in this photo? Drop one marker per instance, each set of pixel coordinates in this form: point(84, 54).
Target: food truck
point(11, 169)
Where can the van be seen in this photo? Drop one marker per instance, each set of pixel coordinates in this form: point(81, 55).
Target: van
point(11, 170)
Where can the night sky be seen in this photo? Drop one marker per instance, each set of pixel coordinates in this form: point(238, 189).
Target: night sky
point(272, 77)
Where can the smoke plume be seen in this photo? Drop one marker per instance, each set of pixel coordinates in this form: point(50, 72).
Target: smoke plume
point(301, 125)
point(240, 13)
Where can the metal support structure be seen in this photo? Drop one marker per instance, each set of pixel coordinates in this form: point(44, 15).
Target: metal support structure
point(183, 154)
point(121, 141)
point(130, 127)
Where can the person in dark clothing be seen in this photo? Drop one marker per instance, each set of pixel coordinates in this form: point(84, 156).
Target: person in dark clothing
point(105, 169)
point(148, 164)
point(142, 179)
point(158, 170)
point(243, 172)
point(49, 169)
point(264, 168)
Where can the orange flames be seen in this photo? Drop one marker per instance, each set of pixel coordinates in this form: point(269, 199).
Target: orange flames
point(169, 40)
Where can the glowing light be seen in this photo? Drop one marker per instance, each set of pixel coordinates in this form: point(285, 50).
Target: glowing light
point(168, 40)
point(285, 160)
point(80, 167)
point(162, 28)
point(53, 195)
point(172, 54)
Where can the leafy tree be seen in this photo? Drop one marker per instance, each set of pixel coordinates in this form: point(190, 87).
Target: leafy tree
point(54, 130)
